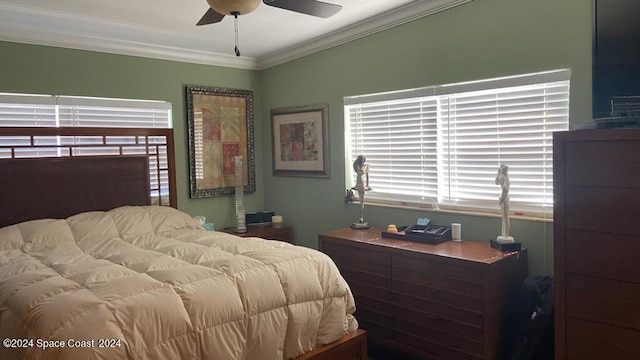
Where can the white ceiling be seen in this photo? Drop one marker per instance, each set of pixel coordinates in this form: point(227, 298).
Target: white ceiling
point(165, 29)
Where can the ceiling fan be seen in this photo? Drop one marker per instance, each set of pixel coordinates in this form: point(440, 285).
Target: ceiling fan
point(218, 9)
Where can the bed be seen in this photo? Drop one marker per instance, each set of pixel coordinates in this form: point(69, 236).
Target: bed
point(96, 262)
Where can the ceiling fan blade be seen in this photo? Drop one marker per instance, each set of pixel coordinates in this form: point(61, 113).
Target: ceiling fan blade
point(309, 7)
point(210, 17)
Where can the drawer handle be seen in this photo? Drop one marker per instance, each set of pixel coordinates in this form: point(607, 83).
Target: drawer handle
point(433, 290)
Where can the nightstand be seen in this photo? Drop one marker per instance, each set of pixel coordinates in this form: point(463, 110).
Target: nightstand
point(282, 233)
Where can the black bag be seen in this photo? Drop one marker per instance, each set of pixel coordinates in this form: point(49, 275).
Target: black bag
point(531, 325)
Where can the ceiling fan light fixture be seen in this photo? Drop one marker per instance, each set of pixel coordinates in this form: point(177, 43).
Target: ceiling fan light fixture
point(229, 7)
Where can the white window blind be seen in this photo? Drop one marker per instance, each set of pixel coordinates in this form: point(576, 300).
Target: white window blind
point(101, 112)
point(441, 146)
point(28, 110)
point(74, 111)
point(399, 140)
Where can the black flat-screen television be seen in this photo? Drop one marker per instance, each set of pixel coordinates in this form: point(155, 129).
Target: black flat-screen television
point(616, 58)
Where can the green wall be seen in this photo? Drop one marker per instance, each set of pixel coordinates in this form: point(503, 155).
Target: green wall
point(481, 39)
point(56, 71)
point(478, 40)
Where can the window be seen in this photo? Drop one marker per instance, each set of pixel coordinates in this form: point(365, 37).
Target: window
point(74, 111)
point(25, 110)
point(441, 146)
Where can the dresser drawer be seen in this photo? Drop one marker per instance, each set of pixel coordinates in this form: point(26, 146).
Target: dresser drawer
point(374, 316)
point(374, 329)
point(602, 163)
point(603, 255)
point(371, 316)
point(371, 304)
point(602, 210)
point(438, 282)
point(437, 295)
point(402, 302)
point(434, 334)
point(361, 288)
point(364, 277)
point(359, 258)
point(423, 317)
point(283, 236)
point(442, 351)
point(592, 341)
point(435, 265)
point(614, 302)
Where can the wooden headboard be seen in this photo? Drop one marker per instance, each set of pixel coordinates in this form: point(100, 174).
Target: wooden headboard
point(83, 169)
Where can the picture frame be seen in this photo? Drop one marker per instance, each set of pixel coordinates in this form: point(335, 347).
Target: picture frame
point(220, 127)
point(300, 141)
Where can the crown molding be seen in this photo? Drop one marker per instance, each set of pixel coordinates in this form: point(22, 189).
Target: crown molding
point(14, 28)
point(130, 48)
point(379, 23)
point(17, 25)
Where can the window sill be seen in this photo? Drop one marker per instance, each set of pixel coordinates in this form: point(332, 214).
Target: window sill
point(548, 218)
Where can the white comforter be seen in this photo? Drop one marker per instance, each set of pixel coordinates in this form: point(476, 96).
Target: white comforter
point(149, 283)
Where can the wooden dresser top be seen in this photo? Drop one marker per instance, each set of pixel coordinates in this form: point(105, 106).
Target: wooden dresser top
point(463, 250)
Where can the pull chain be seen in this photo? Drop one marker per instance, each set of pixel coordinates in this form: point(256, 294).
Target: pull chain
point(235, 22)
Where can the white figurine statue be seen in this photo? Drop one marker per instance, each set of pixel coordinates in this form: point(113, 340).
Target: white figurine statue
point(362, 185)
point(502, 179)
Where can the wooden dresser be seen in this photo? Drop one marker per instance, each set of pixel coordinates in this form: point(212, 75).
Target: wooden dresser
point(597, 244)
point(445, 301)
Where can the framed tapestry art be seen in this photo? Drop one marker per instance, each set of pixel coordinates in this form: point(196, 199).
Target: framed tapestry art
point(220, 128)
point(300, 137)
